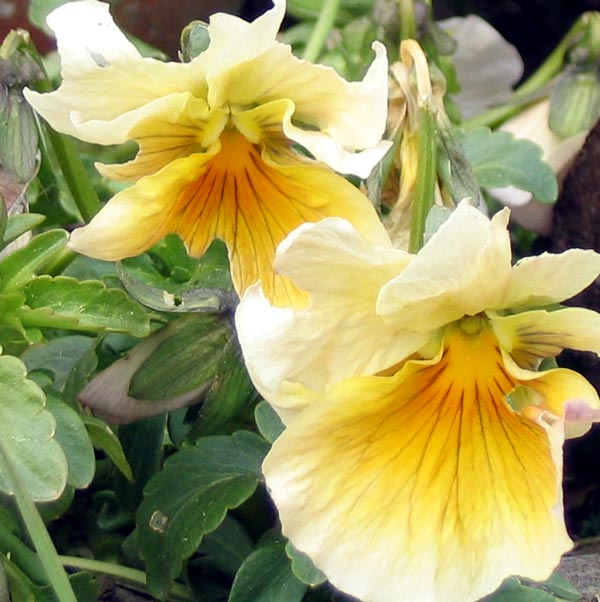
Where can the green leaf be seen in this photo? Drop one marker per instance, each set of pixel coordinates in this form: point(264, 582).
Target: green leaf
point(191, 496)
point(73, 437)
point(27, 431)
point(560, 587)
point(19, 224)
point(499, 159)
point(303, 567)
point(64, 302)
point(512, 590)
point(104, 438)
point(268, 421)
point(63, 357)
point(21, 266)
point(186, 359)
point(266, 576)
point(166, 278)
point(226, 547)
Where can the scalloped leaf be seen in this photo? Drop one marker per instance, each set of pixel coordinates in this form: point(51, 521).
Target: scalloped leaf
point(27, 431)
point(267, 576)
point(499, 159)
point(64, 302)
point(190, 497)
point(22, 265)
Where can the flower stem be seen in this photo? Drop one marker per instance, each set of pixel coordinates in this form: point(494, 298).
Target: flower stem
point(426, 178)
point(408, 22)
point(178, 592)
point(539, 78)
point(321, 30)
point(37, 531)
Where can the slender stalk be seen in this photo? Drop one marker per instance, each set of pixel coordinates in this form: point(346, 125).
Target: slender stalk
point(60, 262)
point(178, 592)
point(539, 78)
point(408, 22)
point(76, 177)
point(37, 531)
point(321, 30)
point(426, 178)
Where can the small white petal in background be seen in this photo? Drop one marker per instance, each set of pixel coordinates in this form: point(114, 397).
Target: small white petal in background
point(487, 66)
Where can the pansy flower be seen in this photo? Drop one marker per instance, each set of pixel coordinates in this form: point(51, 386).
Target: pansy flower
point(422, 460)
point(239, 144)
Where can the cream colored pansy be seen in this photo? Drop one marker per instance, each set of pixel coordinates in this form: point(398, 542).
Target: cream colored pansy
point(438, 475)
point(217, 139)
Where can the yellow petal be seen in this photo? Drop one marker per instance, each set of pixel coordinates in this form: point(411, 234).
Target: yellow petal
point(425, 485)
point(183, 126)
point(531, 336)
point(105, 79)
point(231, 194)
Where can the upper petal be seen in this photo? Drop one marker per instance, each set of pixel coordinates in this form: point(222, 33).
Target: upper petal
point(343, 117)
point(103, 74)
point(425, 485)
point(550, 278)
point(462, 270)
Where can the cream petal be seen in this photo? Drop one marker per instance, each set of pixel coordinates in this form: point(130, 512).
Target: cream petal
point(375, 482)
point(462, 270)
point(103, 74)
point(550, 278)
point(234, 41)
point(533, 335)
point(349, 117)
point(319, 346)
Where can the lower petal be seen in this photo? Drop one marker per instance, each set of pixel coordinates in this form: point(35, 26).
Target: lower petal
point(424, 485)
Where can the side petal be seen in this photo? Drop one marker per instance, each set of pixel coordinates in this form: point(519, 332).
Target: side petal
point(348, 117)
point(533, 335)
point(317, 347)
point(376, 481)
point(103, 74)
point(447, 280)
point(551, 278)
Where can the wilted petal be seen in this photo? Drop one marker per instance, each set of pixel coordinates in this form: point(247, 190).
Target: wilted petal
point(425, 485)
point(104, 76)
point(343, 117)
point(550, 278)
point(339, 334)
point(487, 65)
point(461, 271)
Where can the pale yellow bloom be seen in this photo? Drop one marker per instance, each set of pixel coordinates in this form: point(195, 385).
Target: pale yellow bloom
point(217, 138)
point(422, 456)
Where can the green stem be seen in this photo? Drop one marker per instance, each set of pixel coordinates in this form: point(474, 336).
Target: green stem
point(408, 22)
point(426, 178)
point(22, 556)
point(539, 78)
point(321, 30)
point(76, 177)
point(60, 262)
point(37, 531)
point(178, 592)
